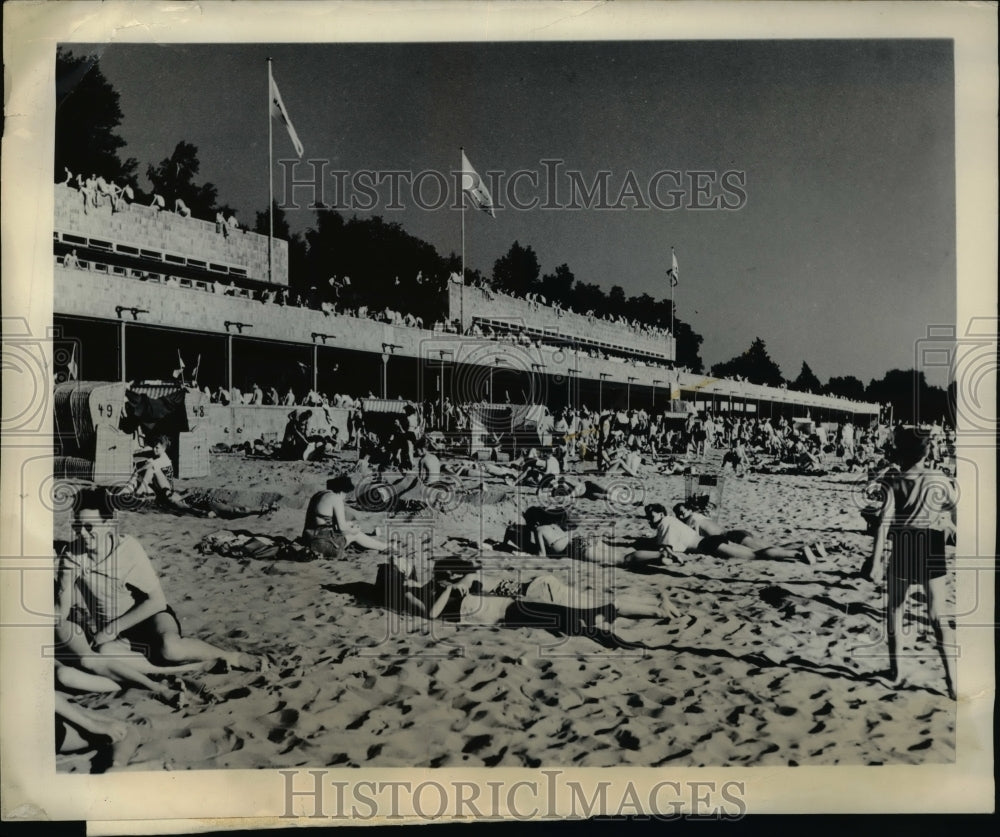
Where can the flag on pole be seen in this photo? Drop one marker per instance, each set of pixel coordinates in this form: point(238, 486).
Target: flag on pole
point(473, 184)
point(674, 271)
point(278, 112)
point(72, 372)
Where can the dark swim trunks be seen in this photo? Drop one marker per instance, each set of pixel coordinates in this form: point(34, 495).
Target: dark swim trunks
point(918, 555)
point(710, 543)
point(144, 636)
point(738, 535)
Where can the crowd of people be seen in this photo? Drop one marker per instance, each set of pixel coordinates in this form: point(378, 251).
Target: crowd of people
point(96, 191)
point(117, 630)
point(916, 521)
point(512, 334)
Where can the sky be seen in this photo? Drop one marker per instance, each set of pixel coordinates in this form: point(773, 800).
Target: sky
point(839, 248)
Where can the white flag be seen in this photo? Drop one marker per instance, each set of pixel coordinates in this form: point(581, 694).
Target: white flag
point(473, 184)
point(674, 271)
point(278, 112)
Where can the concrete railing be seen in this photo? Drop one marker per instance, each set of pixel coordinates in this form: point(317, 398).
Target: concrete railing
point(141, 231)
point(470, 304)
point(97, 293)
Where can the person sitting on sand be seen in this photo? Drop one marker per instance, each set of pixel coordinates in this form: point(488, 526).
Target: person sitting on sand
point(671, 465)
point(460, 592)
point(155, 473)
point(738, 458)
point(322, 447)
point(328, 529)
point(428, 465)
point(538, 471)
point(917, 522)
point(111, 576)
point(294, 442)
point(708, 528)
point(629, 461)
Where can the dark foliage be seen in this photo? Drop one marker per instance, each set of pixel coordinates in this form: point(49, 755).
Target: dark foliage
point(87, 118)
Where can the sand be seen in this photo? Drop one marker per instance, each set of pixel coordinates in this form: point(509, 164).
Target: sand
point(770, 663)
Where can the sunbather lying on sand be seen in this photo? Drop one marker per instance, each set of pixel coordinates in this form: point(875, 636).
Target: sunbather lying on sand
point(675, 538)
point(459, 591)
point(544, 534)
point(708, 528)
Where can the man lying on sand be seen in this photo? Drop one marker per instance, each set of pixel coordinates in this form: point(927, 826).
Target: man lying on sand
point(544, 534)
point(110, 578)
point(708, 528)
point(460, 592)
point(675, 538)
point(328, 529)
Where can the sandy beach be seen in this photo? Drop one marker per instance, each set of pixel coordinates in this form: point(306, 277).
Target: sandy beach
point(770, 663)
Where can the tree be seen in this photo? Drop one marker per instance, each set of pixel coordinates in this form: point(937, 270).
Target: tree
point(174, 178)
point(616, 300)
point(847, 387)
point(642, 308)
point(688, 346)
point(806, 381)
point(754, 364)
point(87, 118)
point(517, 271)
point(298, 269)
point(589, 297)
point(913, 400)
point(383, 260)
point(558, 286)
point(281, 228)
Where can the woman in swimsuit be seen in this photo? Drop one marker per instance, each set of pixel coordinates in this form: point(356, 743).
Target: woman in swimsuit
point(327, 527)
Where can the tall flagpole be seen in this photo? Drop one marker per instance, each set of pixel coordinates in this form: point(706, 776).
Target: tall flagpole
point(673, 284)
point(461, 307)
point(462, 150)
point(270, 176)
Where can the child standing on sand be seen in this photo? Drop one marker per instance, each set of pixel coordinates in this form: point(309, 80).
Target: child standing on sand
point(917, 519)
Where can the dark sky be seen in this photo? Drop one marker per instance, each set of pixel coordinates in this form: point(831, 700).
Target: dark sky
point(842, 255)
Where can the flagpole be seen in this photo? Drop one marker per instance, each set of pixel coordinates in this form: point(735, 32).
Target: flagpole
point(461, 307)
point(270, 176)
point(462, 191)
point(673, 284)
